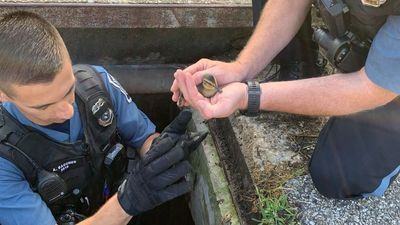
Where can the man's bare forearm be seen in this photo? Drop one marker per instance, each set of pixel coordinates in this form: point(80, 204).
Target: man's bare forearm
point(337, 94)
point(279, 22)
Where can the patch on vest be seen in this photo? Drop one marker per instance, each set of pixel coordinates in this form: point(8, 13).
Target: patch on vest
point(116, 84)
point(96, 107)
point(107, 115)
point(373, 3)
point(64, 166)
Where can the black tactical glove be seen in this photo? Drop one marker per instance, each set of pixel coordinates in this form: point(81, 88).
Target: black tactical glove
point(176, 130)
point(156, 178)
point(177, 127)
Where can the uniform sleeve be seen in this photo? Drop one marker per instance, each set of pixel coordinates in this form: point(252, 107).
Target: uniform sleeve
point(133, 125)
point(19, 205)
point(383, 62)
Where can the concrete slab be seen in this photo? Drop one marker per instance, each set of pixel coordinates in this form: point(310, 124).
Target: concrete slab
point(138, 13)
point(270, 139)
point(275, 143)
point(198, 2)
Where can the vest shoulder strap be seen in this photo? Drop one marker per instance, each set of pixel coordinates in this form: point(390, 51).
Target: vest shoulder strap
point(88, 82)
point(95, 107)
point(12, 131)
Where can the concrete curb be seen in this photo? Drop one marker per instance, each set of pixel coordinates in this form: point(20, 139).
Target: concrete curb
point(211, 202)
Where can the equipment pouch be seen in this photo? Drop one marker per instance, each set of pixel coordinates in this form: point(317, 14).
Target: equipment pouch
point(115, 163)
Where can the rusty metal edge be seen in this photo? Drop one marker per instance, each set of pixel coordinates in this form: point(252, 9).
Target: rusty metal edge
point(91, 15)
point(238, 174)
point(110, 5)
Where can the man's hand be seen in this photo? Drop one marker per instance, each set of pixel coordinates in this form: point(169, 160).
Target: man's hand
point(157, 177)
point(232, 97)
point(225, 73)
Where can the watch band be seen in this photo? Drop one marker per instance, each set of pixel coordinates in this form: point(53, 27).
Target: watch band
point(253, 103)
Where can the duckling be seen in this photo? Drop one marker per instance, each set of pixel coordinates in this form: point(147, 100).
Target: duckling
point(209, 86)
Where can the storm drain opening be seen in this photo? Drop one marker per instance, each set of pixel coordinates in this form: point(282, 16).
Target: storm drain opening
point(148, 86)
point(144, 64)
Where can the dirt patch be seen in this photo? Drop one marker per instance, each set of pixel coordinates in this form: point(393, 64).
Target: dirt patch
point(276, 146)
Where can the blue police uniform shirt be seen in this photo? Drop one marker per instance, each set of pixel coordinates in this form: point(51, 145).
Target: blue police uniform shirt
point(382, 68)
point(18, 203)
point(383, 61)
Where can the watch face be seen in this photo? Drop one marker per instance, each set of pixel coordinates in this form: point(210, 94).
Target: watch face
point(373, 3)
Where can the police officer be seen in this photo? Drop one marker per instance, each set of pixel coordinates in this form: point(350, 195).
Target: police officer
point(62, 132)
point(357, 151)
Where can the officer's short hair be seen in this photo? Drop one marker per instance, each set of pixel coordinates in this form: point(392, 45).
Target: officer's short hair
point(31, 50)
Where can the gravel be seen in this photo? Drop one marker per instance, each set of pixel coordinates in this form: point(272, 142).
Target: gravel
point(315, 209)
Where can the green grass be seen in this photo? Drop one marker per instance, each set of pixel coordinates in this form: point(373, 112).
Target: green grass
point(275, 210)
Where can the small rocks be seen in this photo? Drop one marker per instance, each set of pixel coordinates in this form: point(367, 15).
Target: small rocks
point(315, 209)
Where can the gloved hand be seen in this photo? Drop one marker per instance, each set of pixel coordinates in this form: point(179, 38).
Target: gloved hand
point(156, 178)
point(176, 128)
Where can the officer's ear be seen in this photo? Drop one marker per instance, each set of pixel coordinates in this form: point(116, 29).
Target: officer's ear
point(3, 97)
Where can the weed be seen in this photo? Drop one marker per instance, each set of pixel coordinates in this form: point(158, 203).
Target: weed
point(275, 211)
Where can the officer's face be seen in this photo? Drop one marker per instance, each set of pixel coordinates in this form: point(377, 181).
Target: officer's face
point(47, 103)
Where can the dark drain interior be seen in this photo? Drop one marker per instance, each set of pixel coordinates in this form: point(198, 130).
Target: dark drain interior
point(160, 109)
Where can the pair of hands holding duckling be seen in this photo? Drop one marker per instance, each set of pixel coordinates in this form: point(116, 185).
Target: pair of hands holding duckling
point(213, 88)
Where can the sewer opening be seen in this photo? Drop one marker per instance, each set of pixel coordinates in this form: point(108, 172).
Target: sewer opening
point(117, 47)
point(161, 111)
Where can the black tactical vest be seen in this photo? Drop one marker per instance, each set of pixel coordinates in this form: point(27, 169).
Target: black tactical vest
point(349, 30)
point(80, 164)
point(365, 21)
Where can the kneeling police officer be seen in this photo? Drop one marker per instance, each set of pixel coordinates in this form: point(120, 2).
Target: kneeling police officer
point(357, 151)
